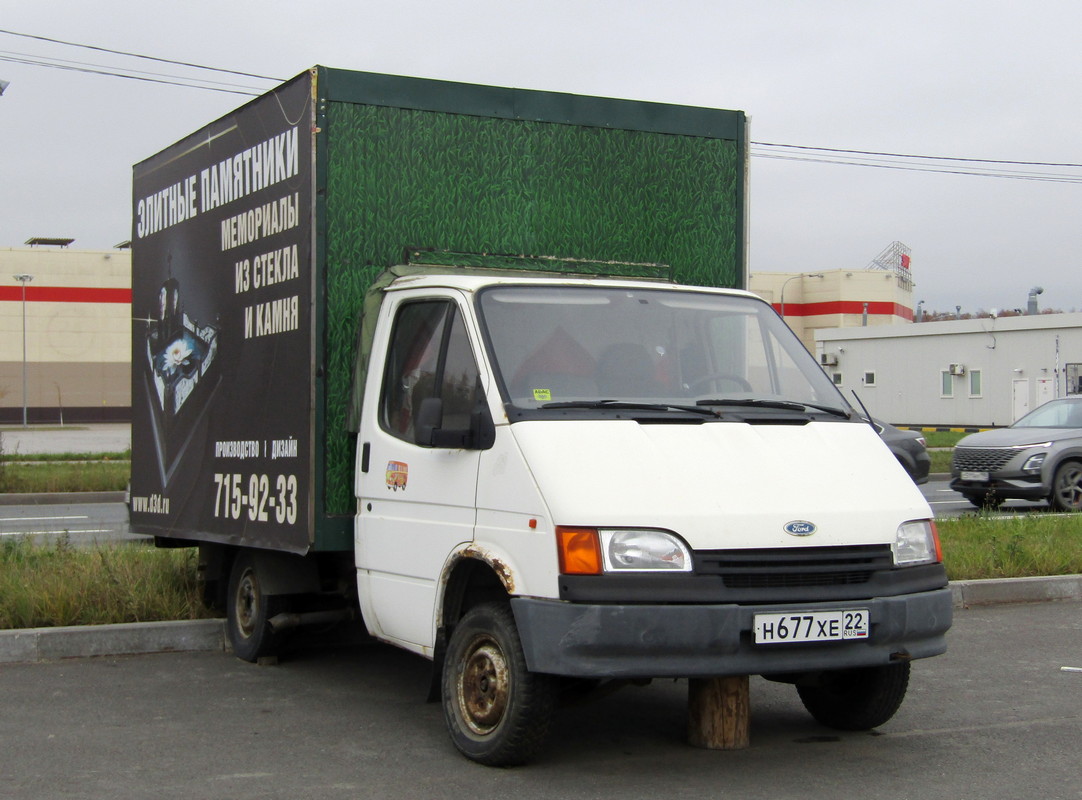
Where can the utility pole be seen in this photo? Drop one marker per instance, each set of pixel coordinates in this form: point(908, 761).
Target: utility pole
point(24, 279)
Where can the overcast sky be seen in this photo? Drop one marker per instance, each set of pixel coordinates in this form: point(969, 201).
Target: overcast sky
point(980, 79)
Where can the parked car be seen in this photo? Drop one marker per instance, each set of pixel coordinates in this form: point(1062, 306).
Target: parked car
point(908, 447)
point(1037, 458)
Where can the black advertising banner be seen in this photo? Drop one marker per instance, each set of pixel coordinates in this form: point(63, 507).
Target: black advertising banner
point(222, 336)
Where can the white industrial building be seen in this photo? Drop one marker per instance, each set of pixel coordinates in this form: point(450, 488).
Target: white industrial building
point(982, 372)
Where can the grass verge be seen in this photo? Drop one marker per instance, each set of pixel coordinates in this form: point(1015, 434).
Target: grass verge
point(40, 473)
point(941, 460)
point(980, 546)
point(47, 477)
point(943, 438)
point(62, 585)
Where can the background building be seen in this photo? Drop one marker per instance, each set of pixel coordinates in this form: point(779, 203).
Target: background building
point(77, 316)
point(981, 372)
point(880, 294)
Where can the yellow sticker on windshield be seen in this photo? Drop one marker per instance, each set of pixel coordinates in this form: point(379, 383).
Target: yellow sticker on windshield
point(542, 395)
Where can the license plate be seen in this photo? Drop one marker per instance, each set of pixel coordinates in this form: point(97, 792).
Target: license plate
point(971, 475)
point(811, 626)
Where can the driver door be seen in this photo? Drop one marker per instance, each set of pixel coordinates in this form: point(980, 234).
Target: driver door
point(416, 503)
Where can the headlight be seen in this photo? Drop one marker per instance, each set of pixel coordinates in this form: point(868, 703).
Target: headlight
point(643, 550)
point(1033, 463)
point(917, 542)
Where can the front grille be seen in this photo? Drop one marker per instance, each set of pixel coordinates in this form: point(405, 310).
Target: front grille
point(795, 566)
point(984, 459)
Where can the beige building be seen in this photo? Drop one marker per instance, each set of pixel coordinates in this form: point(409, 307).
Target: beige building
point(77, 315)
point(812, 301)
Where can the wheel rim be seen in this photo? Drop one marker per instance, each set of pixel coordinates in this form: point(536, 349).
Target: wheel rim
point(247, 604)
point(484, 686)
point(1069, 487)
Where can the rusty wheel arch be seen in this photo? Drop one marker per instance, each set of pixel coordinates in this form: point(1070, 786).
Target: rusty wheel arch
point(471, 580)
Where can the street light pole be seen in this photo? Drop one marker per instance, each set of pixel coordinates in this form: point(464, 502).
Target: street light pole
point(793, 278)
point(24, 279)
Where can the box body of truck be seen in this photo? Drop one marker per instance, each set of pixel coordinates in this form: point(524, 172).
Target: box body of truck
point(479, 361)
point(256, 238)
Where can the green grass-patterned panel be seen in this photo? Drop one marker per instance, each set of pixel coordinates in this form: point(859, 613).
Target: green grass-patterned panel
point(398, 178)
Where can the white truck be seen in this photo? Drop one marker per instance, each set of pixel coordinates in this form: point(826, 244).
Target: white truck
point(528, 469)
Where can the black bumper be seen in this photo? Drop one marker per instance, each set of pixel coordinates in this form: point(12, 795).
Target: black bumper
point(648, 641)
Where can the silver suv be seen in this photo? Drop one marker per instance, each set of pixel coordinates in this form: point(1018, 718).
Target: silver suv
point(1037, 458)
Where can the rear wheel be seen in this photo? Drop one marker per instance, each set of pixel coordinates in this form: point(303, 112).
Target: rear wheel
point(497, 711)
point(856, 699)
point(249, 610)
point(1067, 487)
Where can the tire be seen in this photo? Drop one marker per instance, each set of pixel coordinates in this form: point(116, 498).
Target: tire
point(1067, 487)
point(248, 611)
point(497, 712)
point(856, 699)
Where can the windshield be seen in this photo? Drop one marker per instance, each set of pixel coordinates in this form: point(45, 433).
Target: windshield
point(567, 344)
point(1054, 414)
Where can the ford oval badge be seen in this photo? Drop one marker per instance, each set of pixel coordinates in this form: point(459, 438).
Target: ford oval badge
point(800, 527)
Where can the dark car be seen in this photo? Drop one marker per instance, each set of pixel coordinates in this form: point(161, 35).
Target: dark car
point(908, 447)
point(1037, 458)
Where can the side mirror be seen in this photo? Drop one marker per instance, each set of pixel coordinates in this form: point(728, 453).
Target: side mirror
point(429, 422)
point(428, 430)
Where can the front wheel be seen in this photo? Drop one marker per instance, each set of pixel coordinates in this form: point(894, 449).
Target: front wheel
point(497, 711)
point(1067, 487)
point(856, 699)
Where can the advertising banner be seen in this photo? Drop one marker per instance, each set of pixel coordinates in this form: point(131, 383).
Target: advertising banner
point(222, 365)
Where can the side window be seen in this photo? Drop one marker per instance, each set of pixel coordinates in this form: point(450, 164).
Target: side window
point(458, 378)
point(975, 383)
point(946, 384)
point(430, 356)
point(411, 364)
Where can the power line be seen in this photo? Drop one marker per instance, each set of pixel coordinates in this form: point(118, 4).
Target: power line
point(1048, 178)
point(821, 155)
point(139, 55)
point(113, 74)
point(930, 158)
point(100, 69)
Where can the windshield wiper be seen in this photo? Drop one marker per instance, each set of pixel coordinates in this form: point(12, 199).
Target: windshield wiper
point(786, 405)
point(628, 404)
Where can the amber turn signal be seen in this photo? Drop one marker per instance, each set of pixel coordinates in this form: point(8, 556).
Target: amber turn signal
point(579, 549)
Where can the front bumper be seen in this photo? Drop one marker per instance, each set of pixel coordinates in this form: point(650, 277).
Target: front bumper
point(653, 641)
point(1014, 487)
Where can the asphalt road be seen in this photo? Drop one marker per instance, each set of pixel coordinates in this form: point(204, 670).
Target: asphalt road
point(996, 717)
point(947, 503)
point(80, 524)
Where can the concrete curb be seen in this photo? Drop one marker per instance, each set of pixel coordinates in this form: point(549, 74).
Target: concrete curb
point(48, 644)
point(1016, 590)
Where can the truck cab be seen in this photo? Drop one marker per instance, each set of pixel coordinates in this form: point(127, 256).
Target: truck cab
point(622, 480)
